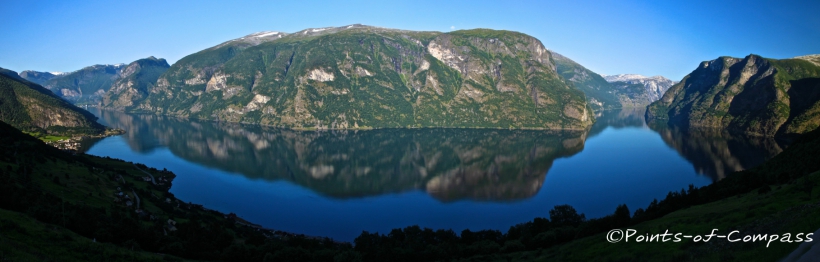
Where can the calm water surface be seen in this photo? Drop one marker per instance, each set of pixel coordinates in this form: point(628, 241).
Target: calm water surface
point(340, 183)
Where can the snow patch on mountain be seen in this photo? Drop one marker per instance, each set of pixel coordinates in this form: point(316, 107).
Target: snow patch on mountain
point(624, 77)
point(255, 38)
point(264, 34)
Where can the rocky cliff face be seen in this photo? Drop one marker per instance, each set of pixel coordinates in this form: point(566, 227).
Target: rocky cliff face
point(360, 77)
point(87, 85)
point(134, 82)
point(638, 90)
point(752, 95)
point(30, 107)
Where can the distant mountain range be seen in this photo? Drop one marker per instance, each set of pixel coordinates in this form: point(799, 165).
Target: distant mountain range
point(84, 86)
point(638, 90)
point(40, 78)
point(611, 92)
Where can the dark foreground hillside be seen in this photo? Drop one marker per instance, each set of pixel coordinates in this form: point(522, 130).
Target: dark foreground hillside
point(55, 206)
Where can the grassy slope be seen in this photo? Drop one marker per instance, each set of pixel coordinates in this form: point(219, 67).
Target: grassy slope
point(74, 179)
point(786, 209)
point(25, 239)
point(43, 190)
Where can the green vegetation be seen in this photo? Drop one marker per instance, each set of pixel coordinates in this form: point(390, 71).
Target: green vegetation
point(32, 108)
point(11, 74)
point(47, 138)
point(44, 192)
point(365, 77)
point(751, 95)
point(785, 208)
point(600, 94)
point(24, 239)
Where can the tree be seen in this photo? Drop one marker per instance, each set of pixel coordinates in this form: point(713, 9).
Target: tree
point(565, 215)
point(621, 217)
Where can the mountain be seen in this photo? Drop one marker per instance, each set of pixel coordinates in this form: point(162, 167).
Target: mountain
point(753, 95)
point(87, 85)
point(39, 78)
point(28, 106)
point(599, 92)
point(640, 90)
point(134, 82)
point(359, 76)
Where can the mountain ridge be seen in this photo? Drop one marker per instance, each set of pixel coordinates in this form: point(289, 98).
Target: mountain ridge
point(357, 76)
point(38, 77)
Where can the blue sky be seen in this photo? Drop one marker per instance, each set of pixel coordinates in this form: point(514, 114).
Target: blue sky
point(666, 38)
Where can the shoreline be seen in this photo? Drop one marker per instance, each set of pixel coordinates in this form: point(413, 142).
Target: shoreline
point(363, 128)
point(74, 143)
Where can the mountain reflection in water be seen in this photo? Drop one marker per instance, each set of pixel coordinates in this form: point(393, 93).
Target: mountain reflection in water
point(717, 153)
point(449, 164)
point(712, 152)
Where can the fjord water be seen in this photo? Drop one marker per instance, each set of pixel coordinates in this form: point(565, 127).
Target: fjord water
point(340, 183)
